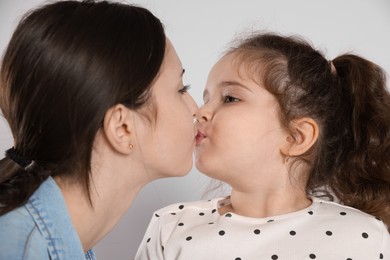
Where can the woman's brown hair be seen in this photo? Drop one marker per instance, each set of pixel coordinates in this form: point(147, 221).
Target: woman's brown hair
point(66, 64)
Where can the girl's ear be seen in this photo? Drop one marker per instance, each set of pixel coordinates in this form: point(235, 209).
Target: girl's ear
point(118, 128)
point(304, 133)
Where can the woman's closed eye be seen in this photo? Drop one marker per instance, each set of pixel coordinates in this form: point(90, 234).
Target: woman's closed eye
point(230, 99)
point(184, 89)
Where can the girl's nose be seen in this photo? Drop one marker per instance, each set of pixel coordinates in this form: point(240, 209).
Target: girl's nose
point(203, 115)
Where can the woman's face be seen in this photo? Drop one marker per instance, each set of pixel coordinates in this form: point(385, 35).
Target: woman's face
point(167, 143)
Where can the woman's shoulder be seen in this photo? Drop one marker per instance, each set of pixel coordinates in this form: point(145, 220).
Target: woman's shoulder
point(20, 237)
point(16, 222)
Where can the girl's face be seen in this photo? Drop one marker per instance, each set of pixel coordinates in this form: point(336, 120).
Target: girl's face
point(167, 143)
point(239, 131)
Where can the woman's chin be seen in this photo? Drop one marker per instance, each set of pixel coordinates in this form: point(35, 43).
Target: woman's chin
point(180, 171)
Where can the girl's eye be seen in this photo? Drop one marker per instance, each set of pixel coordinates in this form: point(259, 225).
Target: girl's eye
point(230, 99)
point(184, 89)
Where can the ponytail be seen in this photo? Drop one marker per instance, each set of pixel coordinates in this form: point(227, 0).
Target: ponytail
point(18, 183)
point(361, 177)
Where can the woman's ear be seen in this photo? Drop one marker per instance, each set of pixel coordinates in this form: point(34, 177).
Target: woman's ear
point(118, 128)
point(303, 134)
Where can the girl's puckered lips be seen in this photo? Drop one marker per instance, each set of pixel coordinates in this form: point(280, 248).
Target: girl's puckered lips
point(199, 137)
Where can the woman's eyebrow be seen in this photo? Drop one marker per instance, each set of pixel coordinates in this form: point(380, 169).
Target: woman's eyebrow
point(205, 94)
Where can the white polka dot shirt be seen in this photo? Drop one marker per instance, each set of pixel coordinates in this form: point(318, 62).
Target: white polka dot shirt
point(323, 231)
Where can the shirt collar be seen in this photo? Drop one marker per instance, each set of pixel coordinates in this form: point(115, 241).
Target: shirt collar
point(50, 213)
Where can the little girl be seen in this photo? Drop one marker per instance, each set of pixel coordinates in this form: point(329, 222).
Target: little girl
point(285, 128)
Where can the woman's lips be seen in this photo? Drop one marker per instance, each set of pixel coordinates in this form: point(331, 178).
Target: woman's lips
point(199, 137)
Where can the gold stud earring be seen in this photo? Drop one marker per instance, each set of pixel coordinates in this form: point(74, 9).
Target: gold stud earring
point(131, 146)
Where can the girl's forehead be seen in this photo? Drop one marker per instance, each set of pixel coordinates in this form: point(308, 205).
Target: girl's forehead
point(227, 66)
point(233, 67)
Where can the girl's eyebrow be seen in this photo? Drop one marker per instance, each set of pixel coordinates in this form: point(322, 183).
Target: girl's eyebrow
point(227, 84)
point(234, 83)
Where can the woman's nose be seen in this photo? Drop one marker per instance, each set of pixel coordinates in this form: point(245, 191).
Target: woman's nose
point(192, 106)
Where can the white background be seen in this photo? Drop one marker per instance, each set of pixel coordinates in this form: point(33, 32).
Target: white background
point(200, 31)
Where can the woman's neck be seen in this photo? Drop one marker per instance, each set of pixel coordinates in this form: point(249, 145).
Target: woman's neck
point(112, 194)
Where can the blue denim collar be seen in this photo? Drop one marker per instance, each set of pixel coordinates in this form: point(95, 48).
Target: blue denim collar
point(48, 209)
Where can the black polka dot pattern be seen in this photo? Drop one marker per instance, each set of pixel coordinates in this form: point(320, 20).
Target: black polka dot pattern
point(194, 224)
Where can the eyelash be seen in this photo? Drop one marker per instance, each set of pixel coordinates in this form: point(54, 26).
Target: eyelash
point(185, 89)
point(230, 99)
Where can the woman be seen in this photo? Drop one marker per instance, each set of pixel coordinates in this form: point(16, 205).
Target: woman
point(94, 98)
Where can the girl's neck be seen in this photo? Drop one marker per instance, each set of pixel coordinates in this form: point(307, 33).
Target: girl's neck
point(262, 204)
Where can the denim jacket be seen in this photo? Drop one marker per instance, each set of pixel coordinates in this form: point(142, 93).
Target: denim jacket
point(41, 229)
